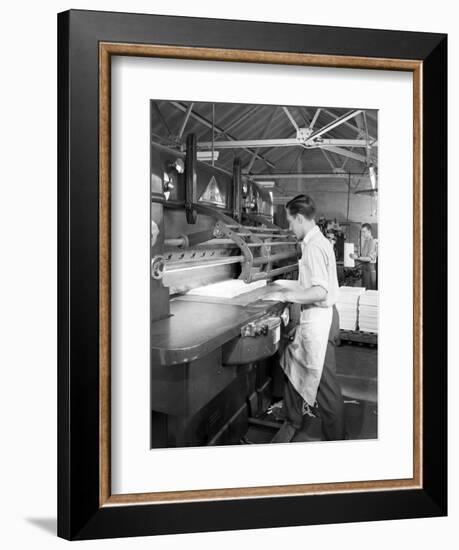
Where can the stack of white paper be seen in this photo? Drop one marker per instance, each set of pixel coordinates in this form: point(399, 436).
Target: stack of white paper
point(347, 306)
point(226, 289)
point(368, 311)
point(348, 250)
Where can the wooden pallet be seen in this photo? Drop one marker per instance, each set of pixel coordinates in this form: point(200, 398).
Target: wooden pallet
point(359, 337)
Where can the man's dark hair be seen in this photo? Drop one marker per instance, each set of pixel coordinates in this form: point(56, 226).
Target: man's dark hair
point(302, 204)
point(367, 226)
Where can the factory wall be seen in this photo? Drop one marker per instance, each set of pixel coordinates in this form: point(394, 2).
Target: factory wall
point(331, 198)
point(334, 204)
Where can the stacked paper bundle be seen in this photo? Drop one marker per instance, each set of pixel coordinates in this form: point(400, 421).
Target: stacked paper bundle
point(226, 289)
point(348, 298)
point(368, 311)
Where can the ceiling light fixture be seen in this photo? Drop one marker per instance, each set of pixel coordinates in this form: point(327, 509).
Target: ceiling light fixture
point(207, 156)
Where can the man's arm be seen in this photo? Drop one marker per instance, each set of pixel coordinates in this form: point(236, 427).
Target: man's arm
point(316, 261)
point(364, 259)
point(298, 296)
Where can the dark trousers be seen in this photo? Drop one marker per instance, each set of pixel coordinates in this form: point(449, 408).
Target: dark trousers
point(329, 397)
point(369, 276)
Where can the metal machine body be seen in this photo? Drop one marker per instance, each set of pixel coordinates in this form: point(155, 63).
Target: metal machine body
point(210, 356)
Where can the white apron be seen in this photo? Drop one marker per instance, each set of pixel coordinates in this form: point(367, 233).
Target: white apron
point(303, 358)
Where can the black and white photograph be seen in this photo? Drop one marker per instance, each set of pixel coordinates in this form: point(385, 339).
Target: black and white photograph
point(264, 273)
point(228, 281)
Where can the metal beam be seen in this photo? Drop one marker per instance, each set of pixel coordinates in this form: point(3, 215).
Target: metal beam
point(208, 124)
point(306, 116)
point(168, 142)
point(179, 153)
point(373, 116)
point(290, 117)
point(161, 118)
point(265, 133)
point(368, 150)
point(300, 175)
point(335, 123)
point(334, 117)
point(243, 144)
point(241, 118)
point(346, 160)
point(314, 120)
point(185, 120)
point(328, 159)
point(347, 124)
point(284, 151)
point(343, 142)
point(359, 122)
point(281, 142)
point(345, 153)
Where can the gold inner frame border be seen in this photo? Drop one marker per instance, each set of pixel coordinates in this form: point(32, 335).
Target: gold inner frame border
point(106, 51)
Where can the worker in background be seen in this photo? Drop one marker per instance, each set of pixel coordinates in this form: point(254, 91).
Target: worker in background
point(309, 359)
point(368, 257)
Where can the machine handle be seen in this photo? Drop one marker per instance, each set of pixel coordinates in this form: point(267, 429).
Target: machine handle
point(237, 186)
point(190, 179)
point(192, 239)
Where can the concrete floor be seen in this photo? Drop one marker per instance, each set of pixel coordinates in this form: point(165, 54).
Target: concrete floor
point(357, 374)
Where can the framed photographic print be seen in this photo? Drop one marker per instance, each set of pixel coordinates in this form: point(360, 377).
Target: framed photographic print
point(252, 303)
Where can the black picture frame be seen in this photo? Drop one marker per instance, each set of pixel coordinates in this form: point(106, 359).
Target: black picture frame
point(80, 515)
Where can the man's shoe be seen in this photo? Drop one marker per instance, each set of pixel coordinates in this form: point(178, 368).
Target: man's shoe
point(277, 412)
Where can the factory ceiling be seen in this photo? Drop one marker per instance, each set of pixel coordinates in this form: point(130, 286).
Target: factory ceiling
point(289, 147)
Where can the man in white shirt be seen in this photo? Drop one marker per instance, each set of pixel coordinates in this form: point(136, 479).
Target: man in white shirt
point(309, 360)
point(368, 257)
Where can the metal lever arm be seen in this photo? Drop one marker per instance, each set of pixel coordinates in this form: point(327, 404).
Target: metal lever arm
point(190, 179)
